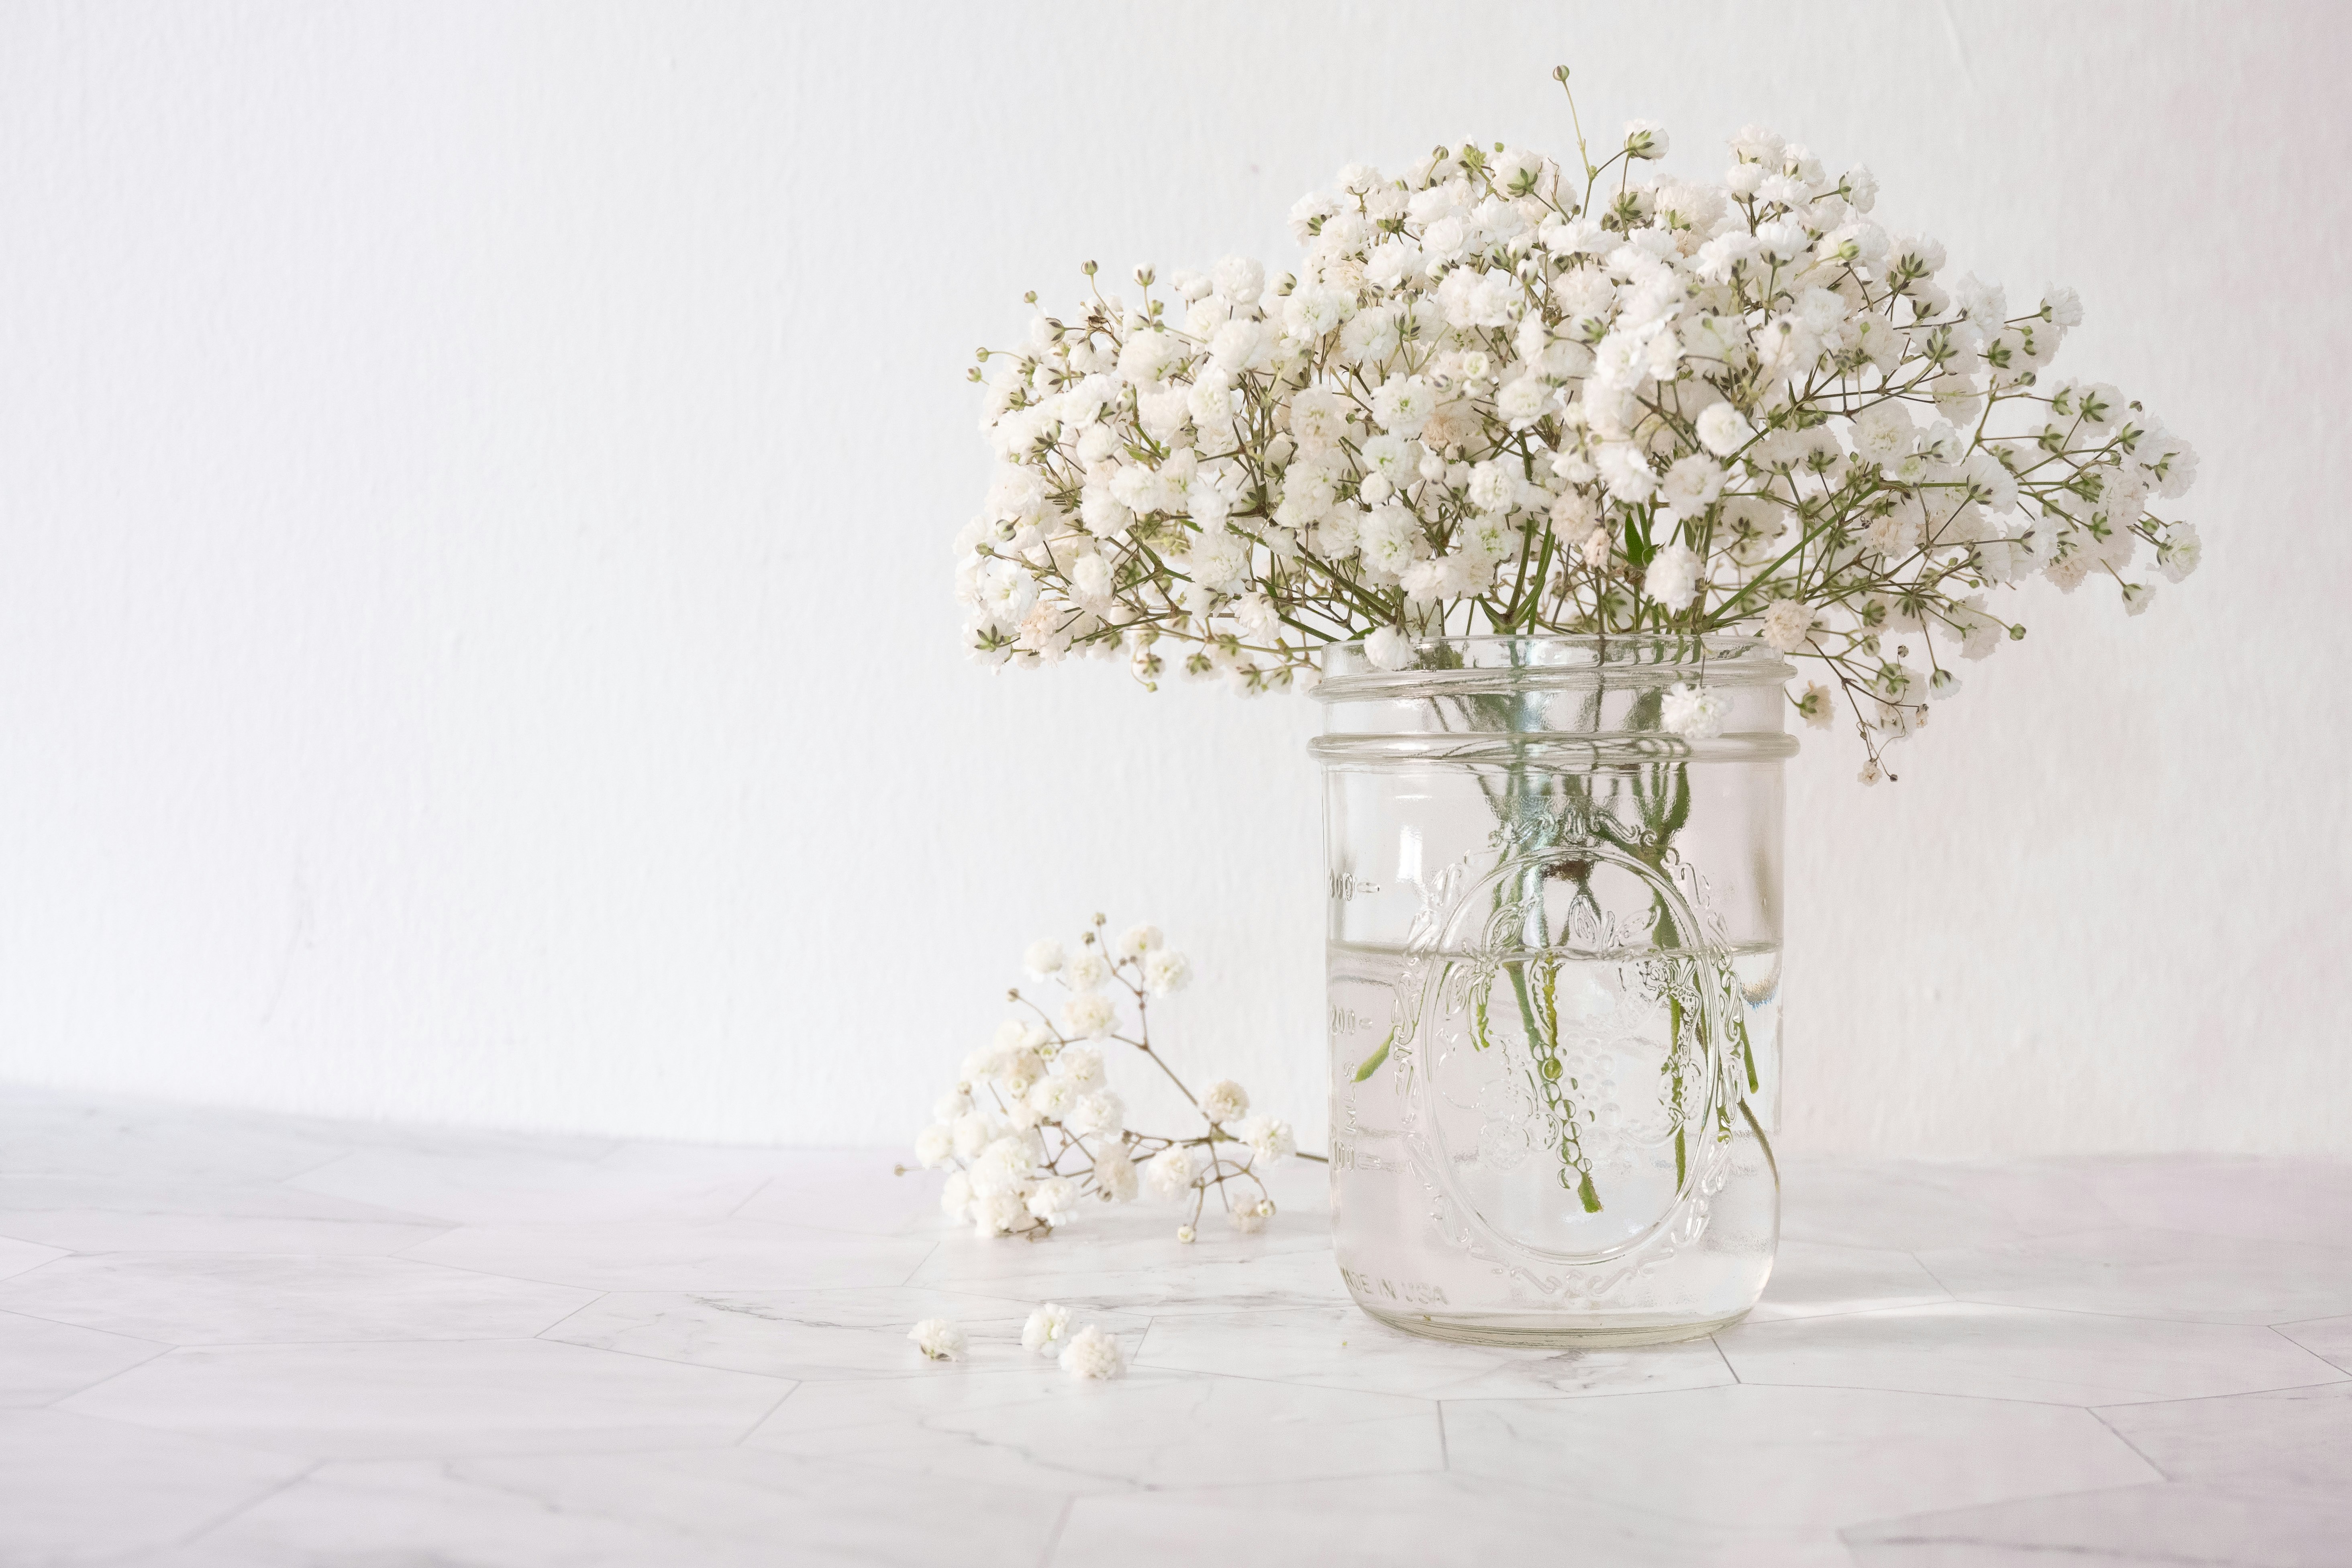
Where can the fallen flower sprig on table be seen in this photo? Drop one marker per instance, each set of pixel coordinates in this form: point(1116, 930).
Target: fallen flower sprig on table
point(1032, 1127)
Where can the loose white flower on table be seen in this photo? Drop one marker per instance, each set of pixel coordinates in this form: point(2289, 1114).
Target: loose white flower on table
point(1035, 1129)
point(1047, 1331)
point(1186, 1234)
point(1225, 1100)
point(938, 1338)
point(1091, 1353)
point(1503, 393)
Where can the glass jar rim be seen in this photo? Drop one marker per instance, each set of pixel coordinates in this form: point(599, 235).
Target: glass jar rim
point(1710, 658)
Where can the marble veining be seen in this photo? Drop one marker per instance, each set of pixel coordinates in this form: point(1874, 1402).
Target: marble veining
point(232, 1340)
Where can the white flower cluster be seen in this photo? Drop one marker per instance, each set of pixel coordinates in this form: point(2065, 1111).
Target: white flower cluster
point(1502, 396)
point(1089, 1354)
point(1032, 1127)
point(938, 1338)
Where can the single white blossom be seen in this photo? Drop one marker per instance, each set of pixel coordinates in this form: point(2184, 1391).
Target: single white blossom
point(1692, 712)
point(1047, 1331)
point(1171, 1171)
point(1787, 622)
point(1088, 1015)
point(1166, 971)
point(1225, 1100)
point(1269, 1137)
point(1091, 1353)
point(938, 1338)
point(1086, 969)
point(1115, 1175)
point(1673, 577)
point(1053, 1096)
point(1099, 1114)
point(1722, 431)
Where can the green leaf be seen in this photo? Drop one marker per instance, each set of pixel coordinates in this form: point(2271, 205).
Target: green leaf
point(1372, 1063)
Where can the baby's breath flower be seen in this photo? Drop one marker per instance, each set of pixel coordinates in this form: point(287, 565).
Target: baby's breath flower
point(1692, 712)
point(1100, 1114)
point(1093, 1355)
point(1787, 622)
point(938, 1338)
point(1088, 1015)
point(1034, 1129)
point(1166, 971)
point(1224, 1101)
point(1047, 1331)
point(1171, 1171)
point(1115, 1176)
point(1081, 1065)
point(1269, 1137)
point(1736, 406)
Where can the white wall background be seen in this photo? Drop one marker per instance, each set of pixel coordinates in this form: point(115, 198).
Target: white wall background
point(475, 485)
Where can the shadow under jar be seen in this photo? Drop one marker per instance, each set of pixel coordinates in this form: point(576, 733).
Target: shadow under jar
point(1554, 963)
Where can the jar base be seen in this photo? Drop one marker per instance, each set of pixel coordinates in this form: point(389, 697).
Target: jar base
point(1549, 1333)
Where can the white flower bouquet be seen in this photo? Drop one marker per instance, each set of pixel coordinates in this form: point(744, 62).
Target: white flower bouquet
point(1503, 395)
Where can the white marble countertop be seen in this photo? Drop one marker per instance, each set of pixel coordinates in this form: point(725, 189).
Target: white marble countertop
point(250, 1341)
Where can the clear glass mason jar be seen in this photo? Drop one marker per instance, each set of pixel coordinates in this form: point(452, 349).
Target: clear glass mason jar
point(1554, 964)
